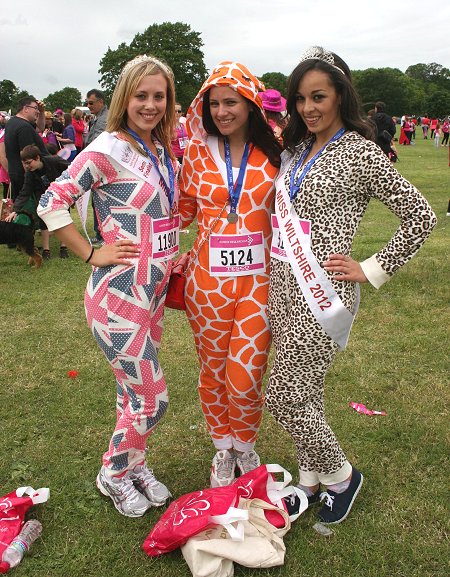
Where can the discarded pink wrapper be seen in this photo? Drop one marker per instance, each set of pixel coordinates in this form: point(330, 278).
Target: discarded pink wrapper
point(360, 408)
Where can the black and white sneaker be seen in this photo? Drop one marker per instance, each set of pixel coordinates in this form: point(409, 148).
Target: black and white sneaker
point(295, 503)
point(314, 498)
point(337, 506)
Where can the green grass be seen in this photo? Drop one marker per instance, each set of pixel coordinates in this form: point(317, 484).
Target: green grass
point(54, 429)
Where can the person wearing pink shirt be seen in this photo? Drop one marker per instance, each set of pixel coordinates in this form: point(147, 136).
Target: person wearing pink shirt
point(425, 121)
point(433, 124)
point(180, 136)
point(4, 178)
point(445, 131)
point(78, 125)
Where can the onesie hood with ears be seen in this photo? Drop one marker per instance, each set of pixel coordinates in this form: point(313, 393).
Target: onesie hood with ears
point(227, 73)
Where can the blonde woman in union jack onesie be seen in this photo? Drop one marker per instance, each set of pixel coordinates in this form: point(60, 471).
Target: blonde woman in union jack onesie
point(132, 174)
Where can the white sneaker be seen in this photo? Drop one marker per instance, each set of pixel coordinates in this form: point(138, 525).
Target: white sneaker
point(154, 491)
point(246, 462)
point(126, 498)
point(223, 467)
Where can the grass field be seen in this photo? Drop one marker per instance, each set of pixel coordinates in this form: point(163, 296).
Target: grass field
point(54, 429)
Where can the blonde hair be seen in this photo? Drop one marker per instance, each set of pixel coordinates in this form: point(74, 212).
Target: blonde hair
point(77, 114)
point(129, 79)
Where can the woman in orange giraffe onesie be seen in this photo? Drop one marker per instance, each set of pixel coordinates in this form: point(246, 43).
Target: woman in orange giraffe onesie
point(227, 182)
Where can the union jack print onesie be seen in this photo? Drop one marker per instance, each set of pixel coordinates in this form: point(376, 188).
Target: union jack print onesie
point(124, 304)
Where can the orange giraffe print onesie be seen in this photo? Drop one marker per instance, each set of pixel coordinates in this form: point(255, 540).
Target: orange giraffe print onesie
point(228, 314)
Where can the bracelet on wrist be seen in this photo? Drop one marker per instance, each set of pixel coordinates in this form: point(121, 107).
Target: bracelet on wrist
point(90, 256)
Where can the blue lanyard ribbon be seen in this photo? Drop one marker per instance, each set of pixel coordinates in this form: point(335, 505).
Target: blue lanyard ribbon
point(296, 183)
point(169, 189)
point(234, 189)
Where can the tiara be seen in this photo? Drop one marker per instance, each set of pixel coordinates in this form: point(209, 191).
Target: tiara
point(148, 59)
point(319, 53)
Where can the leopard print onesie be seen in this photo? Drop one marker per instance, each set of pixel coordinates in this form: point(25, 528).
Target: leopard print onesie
point(333, 196)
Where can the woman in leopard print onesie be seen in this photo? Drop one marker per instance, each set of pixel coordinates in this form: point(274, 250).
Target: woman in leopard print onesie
point(330, 171)
point(231, 147)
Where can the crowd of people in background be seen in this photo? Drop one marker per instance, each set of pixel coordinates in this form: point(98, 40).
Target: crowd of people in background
point(65, 134)
point(433, 127)
point(386, 128)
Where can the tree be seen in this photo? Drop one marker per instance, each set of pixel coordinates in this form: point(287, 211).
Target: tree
point(21, 94)
point(110, 66)
point(430, 74)
point(8, 94)
point(437, 104)
point(67, 98)
point(390, 85)
point(275, 80)
point(175, 43)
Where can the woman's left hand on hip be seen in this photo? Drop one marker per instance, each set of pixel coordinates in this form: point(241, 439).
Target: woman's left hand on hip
point(344, 268)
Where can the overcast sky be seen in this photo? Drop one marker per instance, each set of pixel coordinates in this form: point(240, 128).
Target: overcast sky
point(46, 45)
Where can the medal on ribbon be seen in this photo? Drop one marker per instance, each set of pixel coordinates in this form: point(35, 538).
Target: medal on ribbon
point(235, 188)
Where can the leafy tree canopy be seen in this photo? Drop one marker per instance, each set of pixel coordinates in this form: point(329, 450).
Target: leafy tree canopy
point(275, 80)
point(437, 104)
point(423, 87)
point(430, 73)
point(67, 98)
point(390, 85)
point(8, 90)
point(175, 43)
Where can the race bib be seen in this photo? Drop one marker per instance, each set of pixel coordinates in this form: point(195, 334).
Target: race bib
point(182, 142)
point(277, 249)
point(236, 254)
point(165, 237)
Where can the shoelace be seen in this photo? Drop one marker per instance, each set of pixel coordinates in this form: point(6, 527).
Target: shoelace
point(225, 467)
point(292, 501)
point(329, 499)
point(127, 489)
point(249, 461)
point(148, 477)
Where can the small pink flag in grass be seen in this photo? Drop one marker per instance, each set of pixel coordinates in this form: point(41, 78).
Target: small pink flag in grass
point(360, 408)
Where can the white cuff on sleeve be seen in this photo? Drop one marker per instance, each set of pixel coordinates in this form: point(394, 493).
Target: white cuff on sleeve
point(56, 219)
point(374, 273)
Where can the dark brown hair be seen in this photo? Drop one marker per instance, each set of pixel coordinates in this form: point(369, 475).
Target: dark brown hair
point(259, 132)
point(350, 107)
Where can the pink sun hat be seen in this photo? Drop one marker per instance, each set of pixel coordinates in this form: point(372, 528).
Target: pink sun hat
point(273, 101)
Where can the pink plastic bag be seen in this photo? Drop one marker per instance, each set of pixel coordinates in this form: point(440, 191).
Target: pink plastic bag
point(188, 515)
point(12, 512)
point(261, 483)
point(195, 512)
